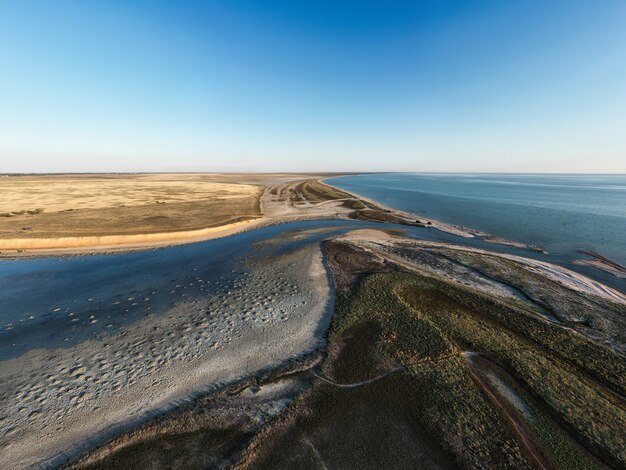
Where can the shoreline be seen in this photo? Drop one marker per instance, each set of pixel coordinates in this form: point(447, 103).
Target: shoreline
point(232, 362)
point(19, 248)
point(272, 213)
point(571, 279)
point(104, 244)
point(447, 227)
point(375, 245)
point(603, 263)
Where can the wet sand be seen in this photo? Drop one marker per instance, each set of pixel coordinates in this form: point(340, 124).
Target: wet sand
point(65, 400)
point(601, 262)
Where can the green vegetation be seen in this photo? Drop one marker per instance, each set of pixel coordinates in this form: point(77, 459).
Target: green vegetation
point(585, 313)
point(595, 415)
point(478, 381)
point(205, 448)
point(445, 393)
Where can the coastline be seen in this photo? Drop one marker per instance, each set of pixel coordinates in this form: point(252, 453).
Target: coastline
point(596, 261)
point(377, 251)
point(102, 244)
point(271, 213)
point(566, 277)
point(275, 209)
point(453, 229)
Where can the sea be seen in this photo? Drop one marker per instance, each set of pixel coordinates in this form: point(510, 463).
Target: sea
point(561, 213)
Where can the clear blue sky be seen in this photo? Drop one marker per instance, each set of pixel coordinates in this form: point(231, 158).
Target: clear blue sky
point(431, 85)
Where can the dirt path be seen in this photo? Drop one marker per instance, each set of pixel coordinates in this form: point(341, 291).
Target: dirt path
point(364, 382)
point(520, 430)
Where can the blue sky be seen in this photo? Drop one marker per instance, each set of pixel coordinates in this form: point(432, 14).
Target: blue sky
point(440, 85)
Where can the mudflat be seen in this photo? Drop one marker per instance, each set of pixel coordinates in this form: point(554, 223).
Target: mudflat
point(437, 356)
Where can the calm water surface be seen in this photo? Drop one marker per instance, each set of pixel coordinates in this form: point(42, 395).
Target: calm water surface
point(560, 213)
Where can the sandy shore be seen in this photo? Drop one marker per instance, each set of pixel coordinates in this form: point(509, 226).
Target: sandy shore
point(603, 263)
point(453, 229)
point(567, 278)
point(108, 243)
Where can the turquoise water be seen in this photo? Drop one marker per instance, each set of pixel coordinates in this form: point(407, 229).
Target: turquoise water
point(560, 213)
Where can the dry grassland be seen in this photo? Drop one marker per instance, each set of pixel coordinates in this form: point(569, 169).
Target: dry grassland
point(93, 205)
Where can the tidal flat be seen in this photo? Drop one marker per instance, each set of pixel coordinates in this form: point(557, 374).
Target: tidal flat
point(214, 330)
point(339, 333)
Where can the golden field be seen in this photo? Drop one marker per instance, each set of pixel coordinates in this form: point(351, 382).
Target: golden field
point(56, 206)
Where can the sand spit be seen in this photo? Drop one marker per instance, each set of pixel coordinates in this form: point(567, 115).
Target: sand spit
point(281, 201)
point(453, 229)
point(570, 279)
point(603, 263)
point(57, 403)
point(274, 210)
point(577, 303)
